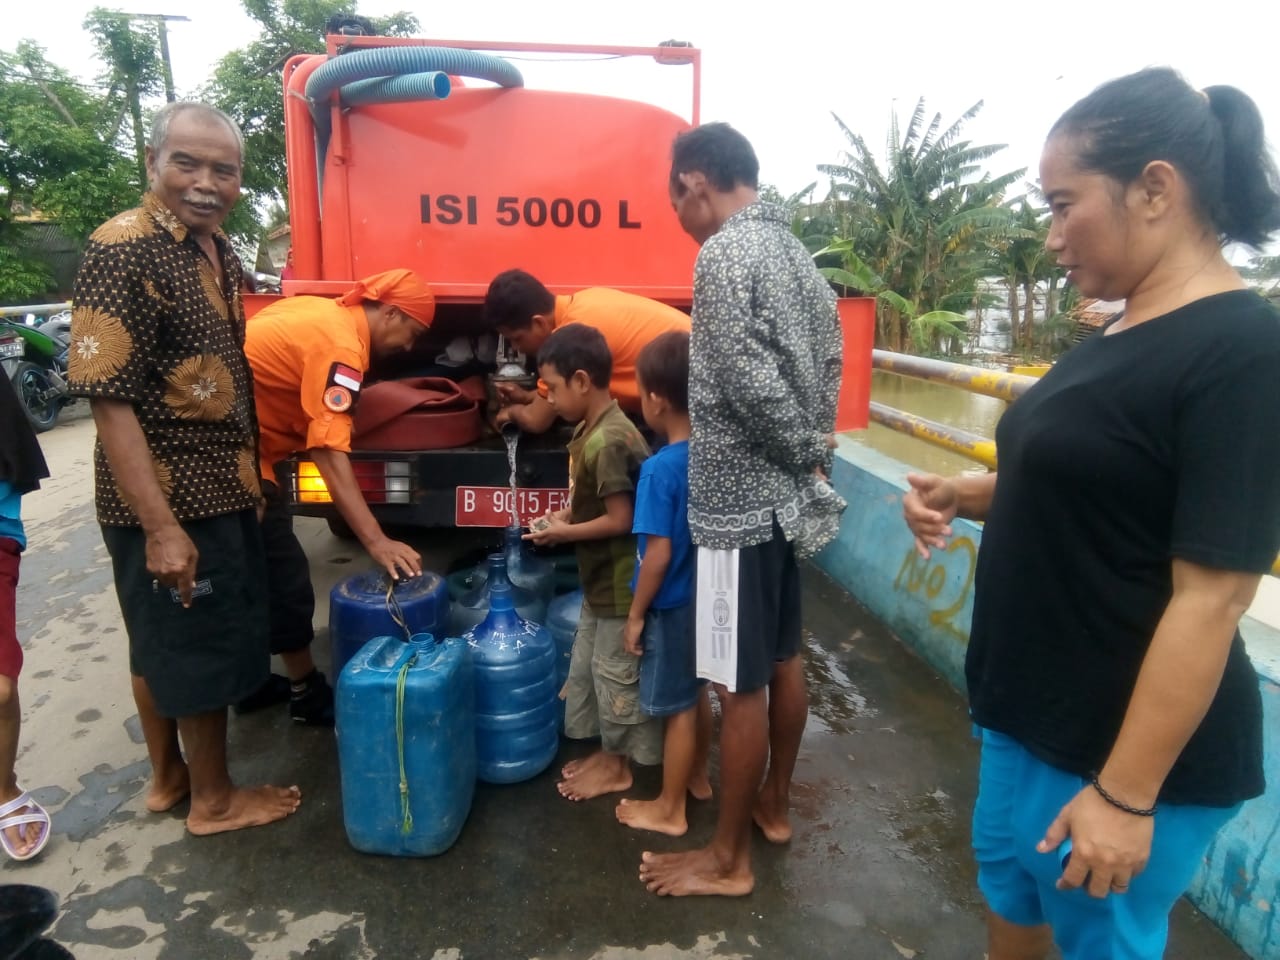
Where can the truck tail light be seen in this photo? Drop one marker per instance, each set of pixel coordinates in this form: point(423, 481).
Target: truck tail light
point(310, 485)
point(381, 481)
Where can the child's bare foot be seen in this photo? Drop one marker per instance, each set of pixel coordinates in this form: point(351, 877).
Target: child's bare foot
point(575, 767)
point(773, 819)
point(168, 788)
point(693, 873)
point(700, 787)
point(246, 807)
point(652, 815)
point(608, 774)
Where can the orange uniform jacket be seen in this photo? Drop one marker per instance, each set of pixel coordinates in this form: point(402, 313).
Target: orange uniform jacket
point(628, 323)
point(308, 356)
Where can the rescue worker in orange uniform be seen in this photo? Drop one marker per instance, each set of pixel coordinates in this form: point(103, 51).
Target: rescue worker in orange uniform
point(524, 312)
point(309, 356)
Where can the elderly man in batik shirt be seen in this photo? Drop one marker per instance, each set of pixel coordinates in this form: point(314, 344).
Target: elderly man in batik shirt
point(157, 338)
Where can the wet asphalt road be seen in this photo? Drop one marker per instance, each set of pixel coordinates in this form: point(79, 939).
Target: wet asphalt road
point(879, 867)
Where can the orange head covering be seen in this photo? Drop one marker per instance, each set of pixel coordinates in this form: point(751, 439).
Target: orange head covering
point(399, 288)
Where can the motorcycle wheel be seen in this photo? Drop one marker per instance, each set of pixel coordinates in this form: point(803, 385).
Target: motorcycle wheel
point(29, 382)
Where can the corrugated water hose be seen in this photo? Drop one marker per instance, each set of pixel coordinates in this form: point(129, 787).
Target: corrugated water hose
point(395, 74)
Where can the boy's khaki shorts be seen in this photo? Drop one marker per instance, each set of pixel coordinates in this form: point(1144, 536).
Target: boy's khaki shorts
point(602, 693)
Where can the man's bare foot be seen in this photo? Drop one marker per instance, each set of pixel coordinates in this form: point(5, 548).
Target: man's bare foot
point(651, 815)
point(247, 807)
point(169, 790)
point(700, 787)
point(693, 873)
point(610, 774)
point(575, 767)
point(773, 822)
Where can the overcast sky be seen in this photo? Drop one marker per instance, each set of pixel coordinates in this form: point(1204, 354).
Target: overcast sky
point(778, 74)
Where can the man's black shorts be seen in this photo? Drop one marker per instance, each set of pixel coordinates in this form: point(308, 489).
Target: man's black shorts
point(214, 653)
point(748, 612)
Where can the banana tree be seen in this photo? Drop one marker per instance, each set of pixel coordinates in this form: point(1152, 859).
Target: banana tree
point(927, 331)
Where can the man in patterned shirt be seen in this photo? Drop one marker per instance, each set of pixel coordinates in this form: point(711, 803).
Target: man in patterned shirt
point(157, 344)
point(765, 359)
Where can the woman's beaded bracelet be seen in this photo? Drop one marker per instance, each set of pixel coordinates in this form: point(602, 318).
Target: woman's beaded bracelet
point(1117, 802)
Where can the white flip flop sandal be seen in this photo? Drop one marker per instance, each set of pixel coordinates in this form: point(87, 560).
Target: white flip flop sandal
point(10, 816)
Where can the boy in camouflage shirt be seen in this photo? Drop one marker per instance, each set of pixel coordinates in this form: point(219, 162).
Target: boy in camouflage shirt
point(602, 694)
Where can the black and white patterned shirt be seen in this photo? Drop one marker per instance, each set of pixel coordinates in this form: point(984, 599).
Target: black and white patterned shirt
point(764, 375)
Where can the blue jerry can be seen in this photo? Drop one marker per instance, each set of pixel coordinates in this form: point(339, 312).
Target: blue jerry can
point(405, 715)
point(517, 732)
point(562, 621)
point(360, 609)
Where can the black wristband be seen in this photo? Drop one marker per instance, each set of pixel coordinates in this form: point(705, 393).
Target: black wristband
point(1117, 802)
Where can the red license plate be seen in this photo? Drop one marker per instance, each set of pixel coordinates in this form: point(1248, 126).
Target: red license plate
point(491, 506)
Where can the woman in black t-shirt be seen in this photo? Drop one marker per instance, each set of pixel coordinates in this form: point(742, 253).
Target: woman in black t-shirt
point(1134, 514)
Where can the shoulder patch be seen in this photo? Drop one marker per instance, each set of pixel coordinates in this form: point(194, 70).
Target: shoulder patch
point(338, 399)
point(341, 375)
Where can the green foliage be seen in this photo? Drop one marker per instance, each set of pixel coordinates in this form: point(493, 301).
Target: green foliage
point(57, 159)
point(129, 49)
point(247, 84)
point(1263, 273)
point(22, 277)
point(924, 224)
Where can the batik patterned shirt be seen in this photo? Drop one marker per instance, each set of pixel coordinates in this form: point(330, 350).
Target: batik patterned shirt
point(153, 326)
point(765, 362)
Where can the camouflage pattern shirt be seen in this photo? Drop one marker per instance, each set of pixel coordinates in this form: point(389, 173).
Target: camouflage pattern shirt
point(152, 325)
point(604, 460)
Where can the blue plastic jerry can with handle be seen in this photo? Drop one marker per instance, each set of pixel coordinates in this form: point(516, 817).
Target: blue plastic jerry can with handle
point(366, 605)
point(405, 719)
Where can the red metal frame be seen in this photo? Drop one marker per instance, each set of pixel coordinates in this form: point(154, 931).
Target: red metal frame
point(667, 56)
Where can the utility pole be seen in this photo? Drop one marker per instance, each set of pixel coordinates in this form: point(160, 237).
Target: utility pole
point(161, 22)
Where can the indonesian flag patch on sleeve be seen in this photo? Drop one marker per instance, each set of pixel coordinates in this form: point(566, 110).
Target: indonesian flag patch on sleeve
point(342, 388)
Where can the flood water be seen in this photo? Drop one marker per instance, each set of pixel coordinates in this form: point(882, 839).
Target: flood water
point(942, 404)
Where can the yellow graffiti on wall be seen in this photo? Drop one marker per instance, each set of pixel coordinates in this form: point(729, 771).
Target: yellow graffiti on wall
point(929, 577)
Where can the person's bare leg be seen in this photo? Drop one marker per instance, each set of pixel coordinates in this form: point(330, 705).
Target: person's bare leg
point(788, 712)
point(170, 781)
point(298, 664)
point(218, 805)
point(666, 813)
point(700, 779)
point(723, 866)
point(10, 726)
point(1010, 941)
point(599, 774)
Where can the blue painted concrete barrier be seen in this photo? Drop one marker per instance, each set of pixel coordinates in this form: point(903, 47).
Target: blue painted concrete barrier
point(929, 604)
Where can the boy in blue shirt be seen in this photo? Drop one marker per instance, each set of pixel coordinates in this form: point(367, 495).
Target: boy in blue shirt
point(659, 625)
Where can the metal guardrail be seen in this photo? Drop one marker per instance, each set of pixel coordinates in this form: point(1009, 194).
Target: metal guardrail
point(39, 308)
point(992, 383)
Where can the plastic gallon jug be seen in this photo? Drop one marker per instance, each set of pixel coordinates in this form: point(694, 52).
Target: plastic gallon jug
point(405, 718)
point(361, 609)
point(562, 621)
point(473, 605)
point(517, 730)
point(525, 569)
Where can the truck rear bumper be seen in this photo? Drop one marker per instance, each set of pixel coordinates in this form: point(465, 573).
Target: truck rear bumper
point(428, 488)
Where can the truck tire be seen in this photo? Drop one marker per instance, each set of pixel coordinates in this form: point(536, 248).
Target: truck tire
point(338, 527)
point(29, 381)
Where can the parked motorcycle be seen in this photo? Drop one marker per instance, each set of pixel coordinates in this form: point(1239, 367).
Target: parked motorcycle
point(35, 359)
